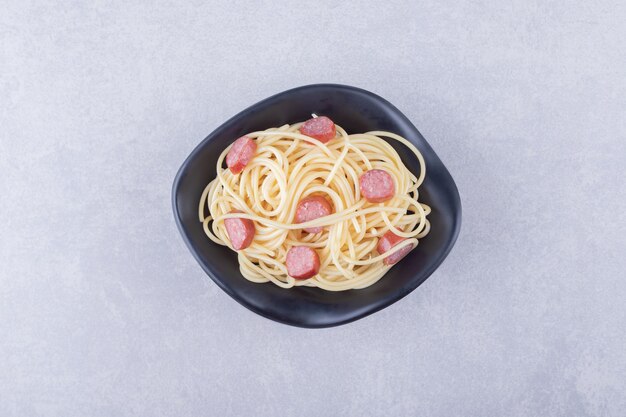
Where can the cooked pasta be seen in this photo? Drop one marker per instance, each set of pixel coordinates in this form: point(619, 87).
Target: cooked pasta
point(286, 167)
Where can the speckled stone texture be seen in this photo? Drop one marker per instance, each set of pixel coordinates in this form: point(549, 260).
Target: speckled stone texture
point(105, 313)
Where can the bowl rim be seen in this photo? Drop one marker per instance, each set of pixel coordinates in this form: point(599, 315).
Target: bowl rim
point(234, 294)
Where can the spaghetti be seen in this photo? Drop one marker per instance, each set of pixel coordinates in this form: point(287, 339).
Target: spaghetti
point(289, 166)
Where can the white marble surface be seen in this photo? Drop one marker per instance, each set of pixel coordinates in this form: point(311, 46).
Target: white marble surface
point(105, 313)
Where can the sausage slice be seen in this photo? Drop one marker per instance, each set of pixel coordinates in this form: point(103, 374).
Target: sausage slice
point(302, 262)
point(377, 186)
point(240, 231)
point(388, 241)
point(311, 208)
point(240, 154)
point(320, 128)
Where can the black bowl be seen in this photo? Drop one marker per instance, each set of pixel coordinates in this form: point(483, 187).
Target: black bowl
point(357, 111)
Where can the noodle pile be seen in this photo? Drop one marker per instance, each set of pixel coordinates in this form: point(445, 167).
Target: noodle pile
point(289, 166)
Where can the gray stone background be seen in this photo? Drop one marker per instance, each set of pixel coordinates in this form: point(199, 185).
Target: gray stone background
point(105, 313)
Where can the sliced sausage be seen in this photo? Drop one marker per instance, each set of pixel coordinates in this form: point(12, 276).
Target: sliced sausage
point(311, 208)
point(320, 128)
point(240, 231)
point(302, 262)
point(377, 186)
point(388, 241)
point(240, 154)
